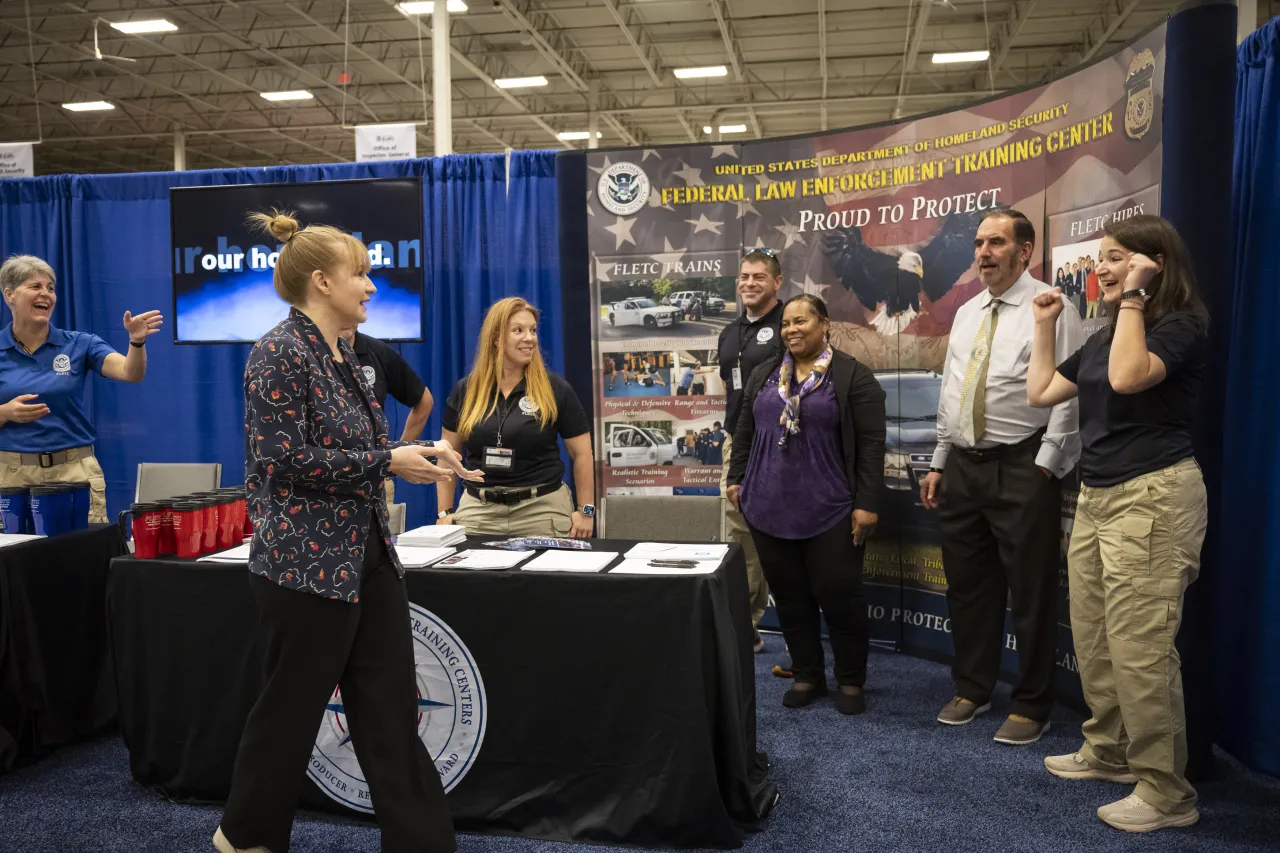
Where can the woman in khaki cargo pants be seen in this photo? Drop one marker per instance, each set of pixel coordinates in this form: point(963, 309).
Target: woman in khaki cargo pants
point(46, 434)
point(1140, 518)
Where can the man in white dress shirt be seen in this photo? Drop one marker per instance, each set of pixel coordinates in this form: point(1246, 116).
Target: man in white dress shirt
point(995, 480)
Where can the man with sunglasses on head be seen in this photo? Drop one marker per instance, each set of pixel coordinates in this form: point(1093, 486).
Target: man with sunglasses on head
point(745, 344)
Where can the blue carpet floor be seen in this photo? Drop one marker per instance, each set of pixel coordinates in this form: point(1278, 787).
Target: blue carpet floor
point(890, 780)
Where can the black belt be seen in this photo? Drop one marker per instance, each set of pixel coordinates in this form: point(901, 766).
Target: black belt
point(983, 454)
point(506, 495)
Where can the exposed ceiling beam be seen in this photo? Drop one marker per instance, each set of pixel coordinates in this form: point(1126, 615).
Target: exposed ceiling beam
point(732, 48)
point(637, 35)
point(822, 55)
point(1108, 20)
point(914, 38)
point(1019, 12)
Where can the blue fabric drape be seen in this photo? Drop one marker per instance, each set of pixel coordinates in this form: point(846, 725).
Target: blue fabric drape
point(1247, 661)
point(107, 238)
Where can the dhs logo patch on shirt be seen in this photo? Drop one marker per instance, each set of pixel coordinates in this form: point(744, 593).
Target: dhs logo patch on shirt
point(369, 374)
point(62, 365)
point(452, 714)
point(764, 335)
point(529, 407)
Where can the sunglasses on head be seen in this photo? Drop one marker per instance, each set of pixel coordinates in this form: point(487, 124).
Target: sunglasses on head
point(768, 253)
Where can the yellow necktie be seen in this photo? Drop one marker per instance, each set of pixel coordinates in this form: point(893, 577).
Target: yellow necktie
point(973, 394)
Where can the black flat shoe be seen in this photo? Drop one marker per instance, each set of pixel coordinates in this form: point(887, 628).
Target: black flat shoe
point(797, 698)
point(851, 703)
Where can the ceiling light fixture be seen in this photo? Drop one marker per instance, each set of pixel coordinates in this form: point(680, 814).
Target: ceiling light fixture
point(291, 95)
point(578, 135)
point(88, 106)
point(520, 82)
point(136, 28)
point(426, 7)
point(962, 56)
point(733, 128)
point(707, 71)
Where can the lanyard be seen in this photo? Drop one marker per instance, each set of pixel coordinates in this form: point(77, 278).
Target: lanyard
point(502, 422)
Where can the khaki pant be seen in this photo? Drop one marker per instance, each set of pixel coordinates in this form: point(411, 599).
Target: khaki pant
point(736, 531)
point(1135, 548)
point(549, 515)
point(84, 469)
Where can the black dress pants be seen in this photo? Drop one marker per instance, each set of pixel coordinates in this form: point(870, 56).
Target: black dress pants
point(815, 577)
point(312, 645)
point(1001, 522)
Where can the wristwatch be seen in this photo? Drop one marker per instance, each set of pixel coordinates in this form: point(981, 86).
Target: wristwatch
point(588, 510)
point(442, 513)
point(1134, 294)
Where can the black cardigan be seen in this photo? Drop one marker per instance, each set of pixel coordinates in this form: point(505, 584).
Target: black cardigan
point(860, 399)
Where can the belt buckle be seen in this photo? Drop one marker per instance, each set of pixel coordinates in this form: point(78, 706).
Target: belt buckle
point(43, 458)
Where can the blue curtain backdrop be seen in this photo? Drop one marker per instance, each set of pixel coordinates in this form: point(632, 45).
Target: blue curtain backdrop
point(107, 238)
point(1247, 662)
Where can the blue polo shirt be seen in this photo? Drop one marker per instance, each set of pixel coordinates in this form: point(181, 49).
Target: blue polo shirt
point(57, 372)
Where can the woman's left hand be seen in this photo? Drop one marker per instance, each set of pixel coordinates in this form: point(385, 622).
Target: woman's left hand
point(864, 524)
point(142, 326)
point(581, 526)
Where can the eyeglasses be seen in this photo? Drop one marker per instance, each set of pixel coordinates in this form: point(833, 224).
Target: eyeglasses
point(768, 253)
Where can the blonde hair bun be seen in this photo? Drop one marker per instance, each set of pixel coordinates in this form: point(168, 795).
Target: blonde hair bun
point(280, 224)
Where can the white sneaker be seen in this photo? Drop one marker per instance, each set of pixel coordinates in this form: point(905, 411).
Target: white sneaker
point(222, 845)
point(1074, 766)
point(1134, 814)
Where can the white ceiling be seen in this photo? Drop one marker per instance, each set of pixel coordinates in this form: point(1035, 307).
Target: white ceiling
point(795, 66)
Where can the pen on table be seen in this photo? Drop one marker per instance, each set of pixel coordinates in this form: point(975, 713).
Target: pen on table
point(674, 564)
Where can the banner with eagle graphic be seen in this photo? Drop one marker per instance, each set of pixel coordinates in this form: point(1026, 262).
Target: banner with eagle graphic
point(879, 222)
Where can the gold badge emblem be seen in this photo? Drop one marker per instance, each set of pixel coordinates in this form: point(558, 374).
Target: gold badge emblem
point(1140, 107)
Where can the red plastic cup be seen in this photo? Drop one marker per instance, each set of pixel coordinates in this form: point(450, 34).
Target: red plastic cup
point(168, 545)
point(146, 531)
point(188, 528)
point(228, 523)
point(209, 530)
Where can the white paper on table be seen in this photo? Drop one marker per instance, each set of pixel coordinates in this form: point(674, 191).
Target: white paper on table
point(433, 535)
point(238, 554)
point(642, 567)
point(557, 560)
point(677, 551)
point(7, 539)
point(418, 557)
point(482, 560)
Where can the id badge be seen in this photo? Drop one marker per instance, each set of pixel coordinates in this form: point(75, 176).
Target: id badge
point(737, 379)
point(498, 458)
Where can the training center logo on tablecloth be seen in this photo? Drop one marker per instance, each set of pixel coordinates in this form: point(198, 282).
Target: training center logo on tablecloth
point(623, 189)
point(452, 714)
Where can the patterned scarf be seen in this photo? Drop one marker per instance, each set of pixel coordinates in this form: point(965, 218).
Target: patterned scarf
point(790, 419)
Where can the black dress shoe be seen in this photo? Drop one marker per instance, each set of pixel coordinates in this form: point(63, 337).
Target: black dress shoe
point(799, 698)
point(851, 703)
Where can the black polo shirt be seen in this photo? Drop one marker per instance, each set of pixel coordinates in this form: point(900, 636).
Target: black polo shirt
point(536, 459)
point(391, 374)
point(748, 344)
point(1127, 435)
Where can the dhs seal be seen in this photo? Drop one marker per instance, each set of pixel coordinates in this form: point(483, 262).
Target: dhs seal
point(369, 375)
point(764, 335)
point(623, 189)
point(1140, 104)
point(62, 365)
point(528, 406)
point(452, 714)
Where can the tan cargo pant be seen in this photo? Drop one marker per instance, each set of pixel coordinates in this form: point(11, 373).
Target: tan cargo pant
point(1135, 548)
point(83, 469)
point(736, 531)
point(549, 515)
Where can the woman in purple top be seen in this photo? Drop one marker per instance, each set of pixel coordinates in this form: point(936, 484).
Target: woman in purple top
point(810, 495)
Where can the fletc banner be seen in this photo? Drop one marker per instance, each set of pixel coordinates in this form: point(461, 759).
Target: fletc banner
point(878, 221)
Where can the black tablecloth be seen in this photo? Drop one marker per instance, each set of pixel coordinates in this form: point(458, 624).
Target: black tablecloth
point(55, 675)
point(621, 707)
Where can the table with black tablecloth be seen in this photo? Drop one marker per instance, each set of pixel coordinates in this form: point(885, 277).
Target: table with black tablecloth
point(621, 708)
point(55, 675)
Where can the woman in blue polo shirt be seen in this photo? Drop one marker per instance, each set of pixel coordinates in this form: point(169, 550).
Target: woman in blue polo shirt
point(46, 435)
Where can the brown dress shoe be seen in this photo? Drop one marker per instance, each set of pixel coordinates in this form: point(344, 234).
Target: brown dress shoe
point(959, 712)
point(1020, 731)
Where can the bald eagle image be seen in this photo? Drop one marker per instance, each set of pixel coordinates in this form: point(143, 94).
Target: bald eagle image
point(898, 286)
